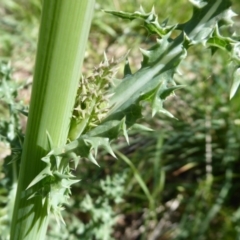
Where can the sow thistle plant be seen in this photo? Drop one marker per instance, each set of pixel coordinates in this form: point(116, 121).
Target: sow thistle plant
point(104, 107)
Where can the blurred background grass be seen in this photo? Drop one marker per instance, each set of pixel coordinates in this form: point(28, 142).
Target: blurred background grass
point(180, 181)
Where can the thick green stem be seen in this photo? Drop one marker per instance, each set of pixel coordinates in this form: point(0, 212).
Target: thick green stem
point(62, 40)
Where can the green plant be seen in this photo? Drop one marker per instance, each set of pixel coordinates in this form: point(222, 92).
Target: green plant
point(97, 216)
point(12, 137)
point(105, 107)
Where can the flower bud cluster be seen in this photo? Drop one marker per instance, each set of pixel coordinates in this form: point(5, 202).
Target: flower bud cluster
point(92, 101)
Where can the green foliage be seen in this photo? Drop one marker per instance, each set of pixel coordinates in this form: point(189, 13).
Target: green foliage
point(152, 83)
point(19, 28)
point(107, 108)
point(96, 211)
point(197, 157)
point(11, 135)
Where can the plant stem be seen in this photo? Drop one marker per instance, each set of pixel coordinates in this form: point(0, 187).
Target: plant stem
point(62, 40)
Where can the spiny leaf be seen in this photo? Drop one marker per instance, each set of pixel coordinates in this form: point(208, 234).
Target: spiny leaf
point(164, 57)
point(220, 42)
point(109, 129)
point(150, 21)
point(205, 18)
point(83, 148)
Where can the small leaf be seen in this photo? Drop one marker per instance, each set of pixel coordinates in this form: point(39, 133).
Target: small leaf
point(218, 41)
point(141, 127)
point(167, 113)
point(236, 82)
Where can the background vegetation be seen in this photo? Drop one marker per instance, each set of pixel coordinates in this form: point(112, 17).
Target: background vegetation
point(179, 182)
